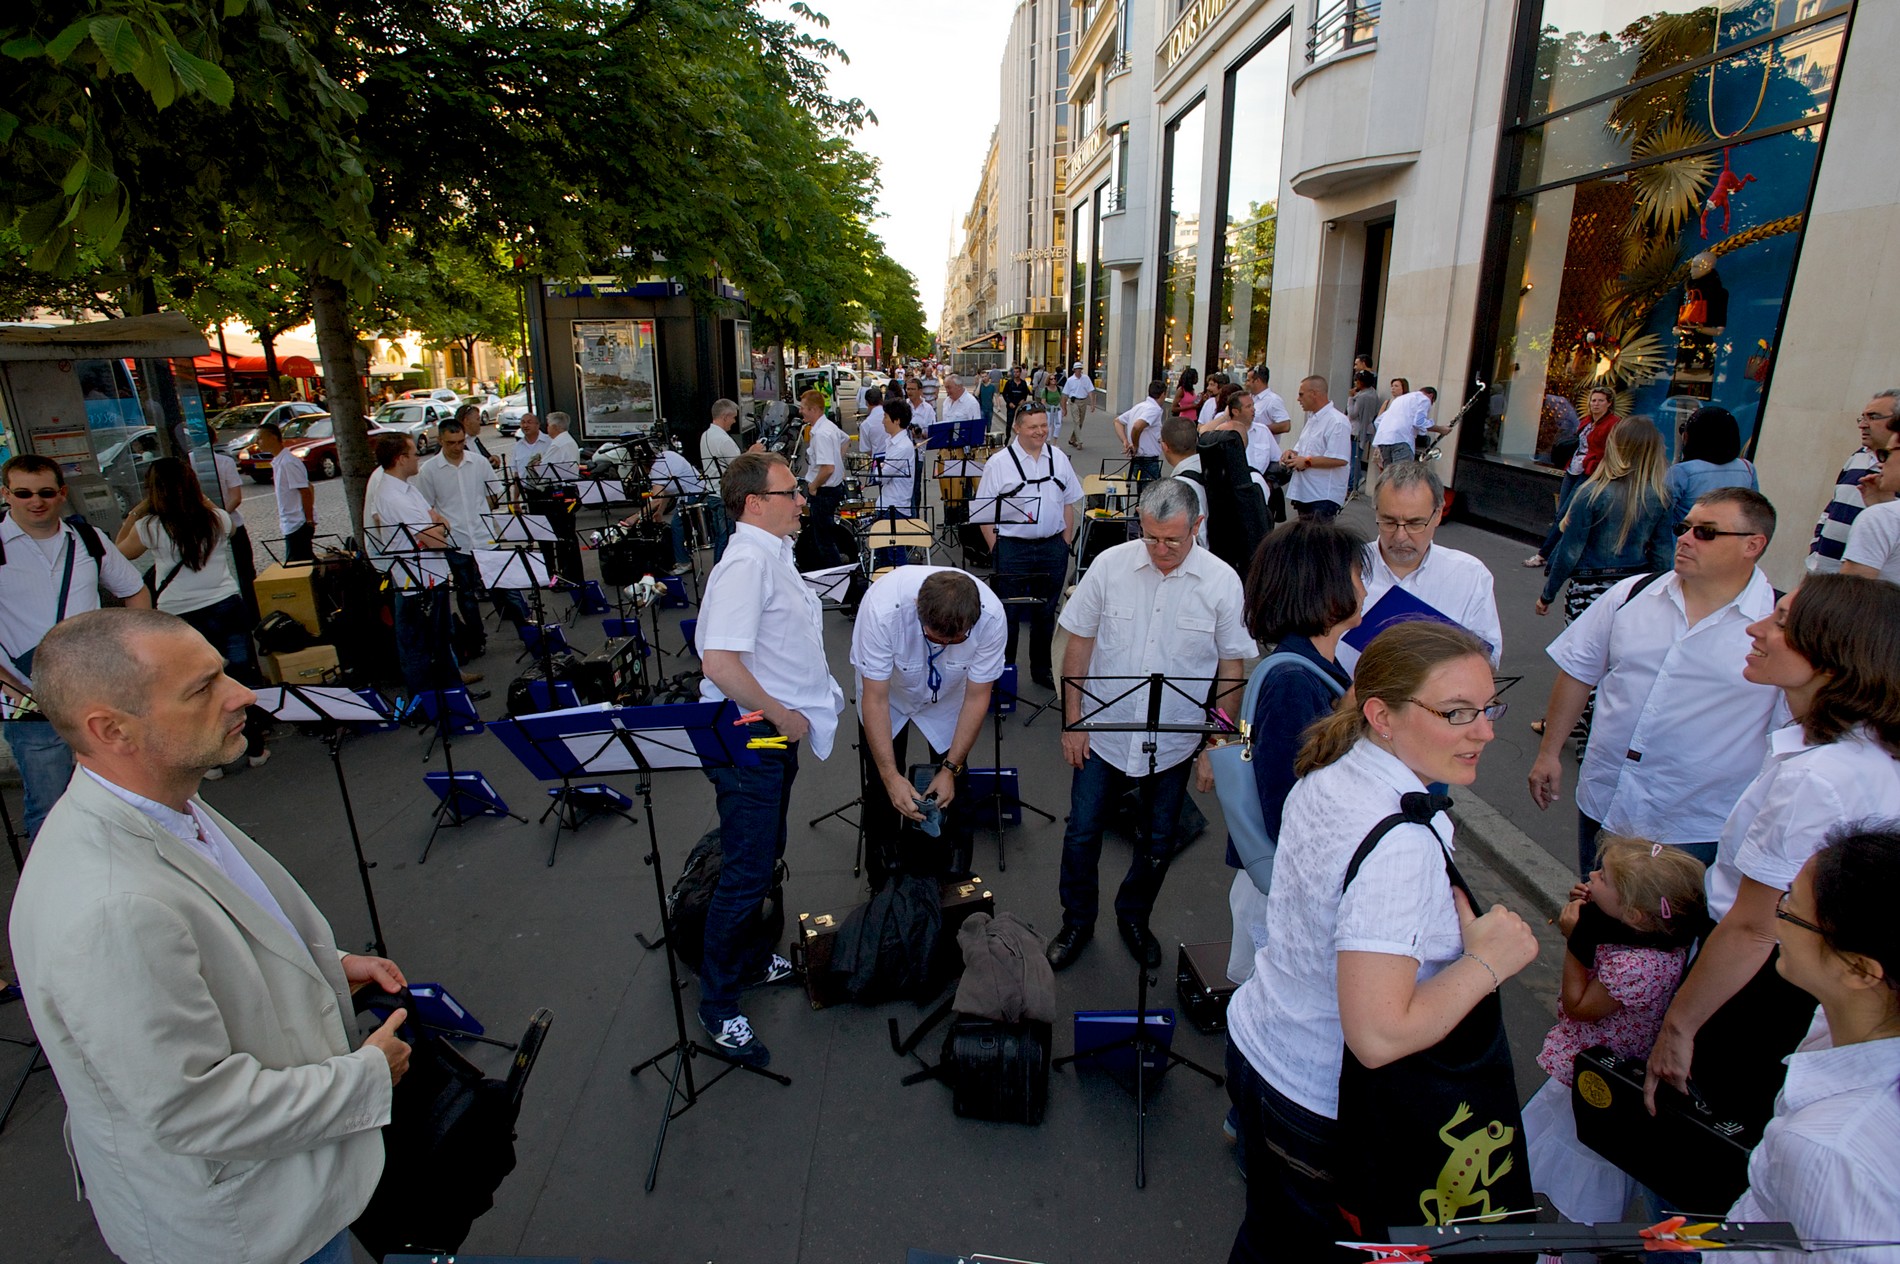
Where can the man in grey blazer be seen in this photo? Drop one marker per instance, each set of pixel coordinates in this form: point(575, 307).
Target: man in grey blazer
point(188, 994)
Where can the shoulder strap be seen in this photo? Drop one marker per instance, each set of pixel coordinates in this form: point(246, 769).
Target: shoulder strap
point(1251, 699)
point(1638, 587)
point(1417, 808)
point(1193, 476)
point(89, 535)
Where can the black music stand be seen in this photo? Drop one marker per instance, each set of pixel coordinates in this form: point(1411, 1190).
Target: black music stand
point(1025, 592)
point(1004, 699)
point(645, 741)
point(1119, 468)
point(519, 565)
point(1104, 709)
point(336, 712)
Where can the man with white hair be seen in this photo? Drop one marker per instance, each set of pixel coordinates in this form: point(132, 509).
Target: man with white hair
point(956, 404)
point(1077, 389)
point(1157, 605)
point(563, 456)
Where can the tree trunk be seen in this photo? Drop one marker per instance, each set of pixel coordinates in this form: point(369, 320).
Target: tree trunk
point(267, 338)
point(343, 390)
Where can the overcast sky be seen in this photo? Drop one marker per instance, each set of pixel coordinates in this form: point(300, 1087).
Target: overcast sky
point(929, 71)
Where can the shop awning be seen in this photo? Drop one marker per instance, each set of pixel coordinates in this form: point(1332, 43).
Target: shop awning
point(287, 366)
point(984, 342)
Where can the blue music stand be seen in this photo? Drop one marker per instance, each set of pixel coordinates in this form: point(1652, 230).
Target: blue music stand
point(557, 746)
point(956, 434)
point(464, 796)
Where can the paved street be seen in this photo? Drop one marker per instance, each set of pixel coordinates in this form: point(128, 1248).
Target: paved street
point(845, 1165)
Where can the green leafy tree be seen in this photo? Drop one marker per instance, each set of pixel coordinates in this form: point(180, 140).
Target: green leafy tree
point(454, 296)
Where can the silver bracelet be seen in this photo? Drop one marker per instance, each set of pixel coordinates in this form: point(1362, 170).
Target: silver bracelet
point(1487, 967)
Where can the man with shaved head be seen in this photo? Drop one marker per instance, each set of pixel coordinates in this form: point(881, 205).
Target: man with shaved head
point(190, 998)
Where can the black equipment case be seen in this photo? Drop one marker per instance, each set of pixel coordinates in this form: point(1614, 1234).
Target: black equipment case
point(1695, 1160)
point(996, 1071)
point(811, 950)
point(1200, 980)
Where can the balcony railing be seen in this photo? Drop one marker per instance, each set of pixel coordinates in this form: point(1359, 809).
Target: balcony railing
point(1342, 25)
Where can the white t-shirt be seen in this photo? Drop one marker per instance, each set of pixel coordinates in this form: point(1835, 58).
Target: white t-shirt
point(461, 493)
point(30, 582)
point(888, 643)
point(1285, 1019)
point(1269, 407)
point(1148, 442)
point(872, 436)
point(1013, 473)
point(717, 444)
point(1077, 386)
point(289, 477)
point(674, 475)
point(1874, 540)
point(189, 589)
point(1326, 433)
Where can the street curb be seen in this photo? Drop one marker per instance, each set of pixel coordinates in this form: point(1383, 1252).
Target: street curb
point(1540, 877)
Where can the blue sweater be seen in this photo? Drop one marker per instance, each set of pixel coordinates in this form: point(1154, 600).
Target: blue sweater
point(1290, 699)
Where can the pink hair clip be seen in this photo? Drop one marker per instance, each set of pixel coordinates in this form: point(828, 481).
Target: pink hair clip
point(1655, 850)
point(1664, 900)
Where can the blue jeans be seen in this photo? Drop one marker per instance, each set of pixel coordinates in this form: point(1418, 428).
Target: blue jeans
point(1292, 1153)
point(46, 765)
point(1565, 491)
point(1045, 565)
point(335, 1251)
point(1357, 469)
point(752, 807)
point(1143, 468)
point(1097, 786)
point(422, 641)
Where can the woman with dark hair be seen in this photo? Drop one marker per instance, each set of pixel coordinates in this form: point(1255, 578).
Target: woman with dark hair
point(1187, 403)
point(1378, 968)
point(1833, 649)
point(1303, 593)
point(1829, 1160)
point(1711, 458)
point(192, 575)
point(1587, 452)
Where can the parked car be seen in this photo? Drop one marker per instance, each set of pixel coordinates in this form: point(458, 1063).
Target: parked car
point(417, 418)
point(441, 393)
point(508, 417)
point(315, 446)
point(237, 427)
point(490, 405)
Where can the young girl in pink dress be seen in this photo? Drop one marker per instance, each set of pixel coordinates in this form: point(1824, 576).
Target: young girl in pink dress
point(1629, 929)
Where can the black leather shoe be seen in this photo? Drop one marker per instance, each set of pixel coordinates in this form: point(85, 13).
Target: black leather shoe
point(1069, 943)
point(1044, 679)
point(1141, 943)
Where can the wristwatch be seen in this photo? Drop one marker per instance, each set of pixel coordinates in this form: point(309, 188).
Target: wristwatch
point(955, 769)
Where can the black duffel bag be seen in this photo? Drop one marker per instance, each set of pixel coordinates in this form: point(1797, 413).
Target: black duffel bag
point(692, 894)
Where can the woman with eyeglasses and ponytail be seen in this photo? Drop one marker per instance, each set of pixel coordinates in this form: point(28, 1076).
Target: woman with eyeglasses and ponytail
point(1371, 1026)
point(1833, 649)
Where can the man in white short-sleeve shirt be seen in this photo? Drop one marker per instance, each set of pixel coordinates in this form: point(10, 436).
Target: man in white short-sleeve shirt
point(1032, 478)
point(1268, 408)
point(927, 645)
point(1395, 435)
point(717, 450)
point(1077, 390)
point(1139, 432)
point(871, 433)
point(462, 487)
point(1157, 605)
point(407, 542)
point(894, 470)
point(51, 573)
point(1678, 733)
point(1320, 460)
point(1873, 543)
point(761, 639)
point(923, 414)
point(1408, 509)
point(296, 502)
point(561, 461)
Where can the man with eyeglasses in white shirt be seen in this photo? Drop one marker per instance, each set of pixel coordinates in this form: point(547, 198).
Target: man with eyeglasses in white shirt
point(1679, 732)
point(927, 646)
point(761, 639)
point(1157, 605)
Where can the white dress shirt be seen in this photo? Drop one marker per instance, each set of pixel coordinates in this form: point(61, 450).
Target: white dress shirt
point(1874, 540)
point(756, 605)
point(563, 452)
point(962, 408)
point(525, 452)
point(1268, 406)
point(825, 447)
point(1263, 446)
point(1181, 625)
point(1077, 386)
point(289, 477)
point(887, 643)
point(1050, 478)
point(1326, 433)
point(871, 433)
point(1404, 419)
point(460, 493)
point(895, 472)
point(1206, 414)
point(1829, 1161)
point(1678, 733)
point(717, 444)
point(1455, 584)
point(30, 583)
point(199, 832)
point(397, 502)
point(1802, 792)
point(922, 414)
point(1285, 1019)
point(1148, 443)
point(674, 475)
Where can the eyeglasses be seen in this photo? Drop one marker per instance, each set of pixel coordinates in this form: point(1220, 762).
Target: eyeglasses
point(1877, 419)
point(796, 491)
point(28, 493)
point(1703, 531)
point(1164, 541)
point(1465, 715)
point(1782, 913)
point(1410, 526)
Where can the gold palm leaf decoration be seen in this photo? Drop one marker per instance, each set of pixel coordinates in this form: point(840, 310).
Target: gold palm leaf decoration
point(1668, 193)
point(1630, 363)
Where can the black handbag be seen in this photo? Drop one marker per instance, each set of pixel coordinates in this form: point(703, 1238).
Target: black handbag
point(1686, 1152)
point(1435, 1136)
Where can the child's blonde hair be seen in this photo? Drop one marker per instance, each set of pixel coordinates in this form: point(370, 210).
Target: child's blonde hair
point(1661, 882)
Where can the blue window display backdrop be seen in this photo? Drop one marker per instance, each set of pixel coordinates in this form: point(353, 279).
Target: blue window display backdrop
point(1663, 277)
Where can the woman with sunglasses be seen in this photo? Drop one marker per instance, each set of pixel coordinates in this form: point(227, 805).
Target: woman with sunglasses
point(1365, 970)
point(1829, 1160)
point(1833, 649)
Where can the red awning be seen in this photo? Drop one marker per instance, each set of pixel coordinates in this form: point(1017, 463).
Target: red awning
point(211, 367)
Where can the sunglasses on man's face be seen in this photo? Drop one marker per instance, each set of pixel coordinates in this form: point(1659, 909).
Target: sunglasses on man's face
point(1706, 531)
point(28, 493)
